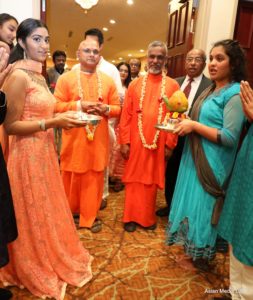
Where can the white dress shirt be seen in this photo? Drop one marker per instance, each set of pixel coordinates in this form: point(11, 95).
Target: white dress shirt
point(194, 87)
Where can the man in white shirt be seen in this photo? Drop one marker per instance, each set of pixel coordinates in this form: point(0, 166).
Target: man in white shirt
point(110, 70)
point(194, 65)
point(193, 84)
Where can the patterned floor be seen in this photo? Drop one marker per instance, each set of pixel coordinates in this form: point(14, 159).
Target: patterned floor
point(139, 265)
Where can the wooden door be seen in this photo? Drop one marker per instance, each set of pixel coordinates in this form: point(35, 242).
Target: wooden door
point(179, 40)
point(244, 33)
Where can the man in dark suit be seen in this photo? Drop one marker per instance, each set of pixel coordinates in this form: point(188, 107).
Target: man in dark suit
point(193, 84)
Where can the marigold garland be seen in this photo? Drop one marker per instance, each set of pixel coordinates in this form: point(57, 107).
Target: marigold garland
point(90, 129)
point(152, 146)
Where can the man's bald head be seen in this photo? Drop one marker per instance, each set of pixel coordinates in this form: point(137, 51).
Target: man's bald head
point(88, 54)
point(195, 62)
point(88, 43)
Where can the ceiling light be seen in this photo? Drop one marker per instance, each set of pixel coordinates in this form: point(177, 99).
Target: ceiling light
point(130, 2)
point(112, 21)
point(113, 61)
point(105, 28)
point(86, 4)
point(120, 58)
point(129, 55)
point(141, 50)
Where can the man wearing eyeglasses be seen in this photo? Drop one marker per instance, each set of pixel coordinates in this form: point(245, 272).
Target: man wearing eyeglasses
point(193, 84)
point(110, 70)
point(135, 66)
point(85, 151)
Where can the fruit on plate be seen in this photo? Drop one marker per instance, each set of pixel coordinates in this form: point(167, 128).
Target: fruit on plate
point(177, 102)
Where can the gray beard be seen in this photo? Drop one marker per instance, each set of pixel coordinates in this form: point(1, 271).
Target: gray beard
point(155, 72)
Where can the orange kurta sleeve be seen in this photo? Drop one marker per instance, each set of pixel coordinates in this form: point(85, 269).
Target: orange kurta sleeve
point(171, 140)
point(126, 117)
point(113, 101)
point(62, 94)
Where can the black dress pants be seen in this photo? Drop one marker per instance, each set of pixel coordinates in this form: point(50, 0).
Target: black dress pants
point(172, 170)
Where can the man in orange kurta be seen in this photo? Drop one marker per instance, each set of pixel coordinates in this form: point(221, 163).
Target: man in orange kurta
point(84, 153)
point(143, 145)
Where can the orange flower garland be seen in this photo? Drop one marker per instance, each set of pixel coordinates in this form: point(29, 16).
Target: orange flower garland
point(90, 129)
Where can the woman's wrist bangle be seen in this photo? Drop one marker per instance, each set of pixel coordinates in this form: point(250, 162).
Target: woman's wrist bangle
point(42, 124)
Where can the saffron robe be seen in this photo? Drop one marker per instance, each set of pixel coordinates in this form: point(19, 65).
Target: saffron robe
point(144, 166)
point(78, 154)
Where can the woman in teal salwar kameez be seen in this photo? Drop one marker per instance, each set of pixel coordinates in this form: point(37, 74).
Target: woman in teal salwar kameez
point(236, 221)
point(209, 154)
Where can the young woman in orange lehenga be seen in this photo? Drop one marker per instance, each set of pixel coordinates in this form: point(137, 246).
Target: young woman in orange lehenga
point(47, 254)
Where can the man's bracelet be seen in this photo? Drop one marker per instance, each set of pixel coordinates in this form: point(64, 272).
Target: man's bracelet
point(107, 110)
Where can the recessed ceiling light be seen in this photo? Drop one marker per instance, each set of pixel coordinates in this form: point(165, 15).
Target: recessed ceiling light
point(129, 55)
point(105, 28)
point(113, 61)
point(130, 2)
point(120, 58)
point(141, 50)
point(112, 21)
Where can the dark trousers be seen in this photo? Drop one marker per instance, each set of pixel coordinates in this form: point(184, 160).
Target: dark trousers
point(8, 229)
point(172, 171)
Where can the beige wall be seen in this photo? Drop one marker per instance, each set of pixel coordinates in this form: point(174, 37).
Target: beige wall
point(21, 9)
point(215, 21)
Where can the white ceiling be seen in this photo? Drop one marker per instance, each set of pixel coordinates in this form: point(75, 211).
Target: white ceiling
point(136, 25)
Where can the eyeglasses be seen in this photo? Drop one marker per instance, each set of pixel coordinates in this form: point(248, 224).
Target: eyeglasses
point(89, 51)
point(196, 59)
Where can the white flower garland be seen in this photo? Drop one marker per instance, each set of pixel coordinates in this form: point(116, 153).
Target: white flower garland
point(152, 146)
point(90, 129)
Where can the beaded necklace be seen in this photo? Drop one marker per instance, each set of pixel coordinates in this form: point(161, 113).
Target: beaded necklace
point(90, 129)
point(152, 146)
point(37, 78)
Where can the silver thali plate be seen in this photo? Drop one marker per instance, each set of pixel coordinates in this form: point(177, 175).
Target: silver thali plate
point(165, 128)
point(89, 118)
